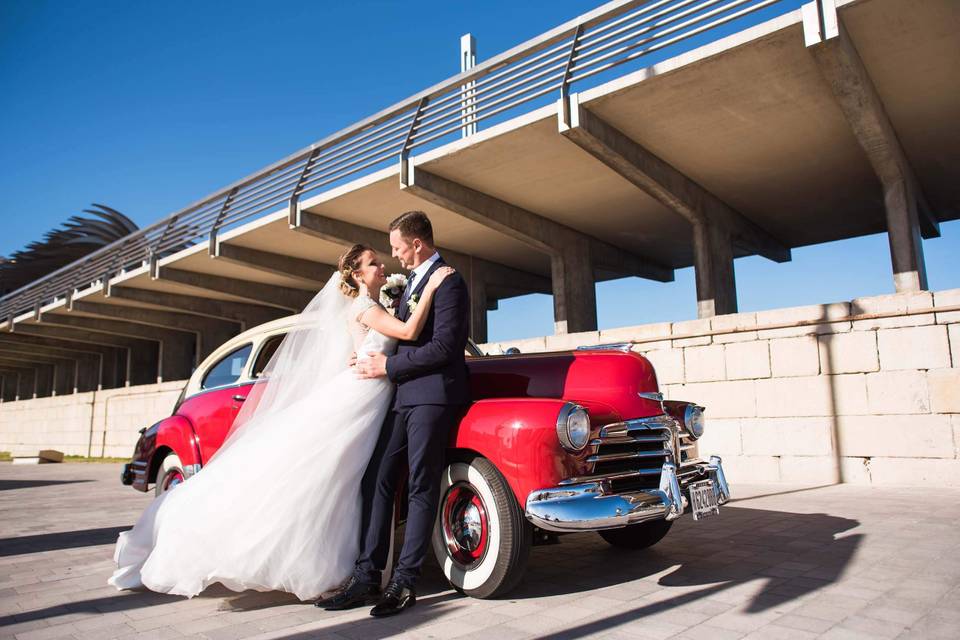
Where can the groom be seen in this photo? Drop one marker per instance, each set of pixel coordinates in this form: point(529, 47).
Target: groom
point(432, 392)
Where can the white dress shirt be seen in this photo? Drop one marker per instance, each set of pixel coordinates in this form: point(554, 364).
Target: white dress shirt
point(421, 270)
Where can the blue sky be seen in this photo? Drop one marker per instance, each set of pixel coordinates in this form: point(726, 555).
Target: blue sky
point(147, 107)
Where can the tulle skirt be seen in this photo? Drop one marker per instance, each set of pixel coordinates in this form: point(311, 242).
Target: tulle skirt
point(276, 510)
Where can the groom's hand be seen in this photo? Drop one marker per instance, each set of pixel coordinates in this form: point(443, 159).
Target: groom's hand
point(373, 367)
point(352, 361)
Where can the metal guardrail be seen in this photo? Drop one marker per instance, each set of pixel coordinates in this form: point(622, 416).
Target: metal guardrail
point(590, 46)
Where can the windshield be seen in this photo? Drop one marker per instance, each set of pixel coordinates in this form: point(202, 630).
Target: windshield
point(473, 350)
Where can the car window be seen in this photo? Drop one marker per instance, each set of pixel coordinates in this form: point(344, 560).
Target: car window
point(266, 352)
point(229, 368)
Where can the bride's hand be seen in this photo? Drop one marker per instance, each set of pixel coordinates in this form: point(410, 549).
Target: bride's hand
point(439, 276)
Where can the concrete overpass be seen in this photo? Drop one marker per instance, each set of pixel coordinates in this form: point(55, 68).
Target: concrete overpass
point(617, 144)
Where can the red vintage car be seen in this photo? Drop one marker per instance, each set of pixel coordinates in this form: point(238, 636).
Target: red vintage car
point(553, 443)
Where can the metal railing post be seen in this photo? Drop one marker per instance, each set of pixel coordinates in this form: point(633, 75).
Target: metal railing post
point(293, 205)
point(468, 60)
point(568, 68)
point(408, 141)
point(219, 220)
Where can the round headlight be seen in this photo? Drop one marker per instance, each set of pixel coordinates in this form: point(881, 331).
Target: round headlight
point(693, 421)
point(573, 427)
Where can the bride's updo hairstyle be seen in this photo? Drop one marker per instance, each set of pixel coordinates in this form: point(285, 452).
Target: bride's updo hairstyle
point(348, 263)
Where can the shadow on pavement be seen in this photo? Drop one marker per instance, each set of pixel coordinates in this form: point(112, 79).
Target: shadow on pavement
point(788, 554)
point(63, 540)
point(11, 485)
point(120, 602)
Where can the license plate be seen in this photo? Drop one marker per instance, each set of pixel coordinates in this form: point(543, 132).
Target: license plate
point(703, 500)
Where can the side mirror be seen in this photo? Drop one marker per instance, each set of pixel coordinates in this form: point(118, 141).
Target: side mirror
point(511, 351)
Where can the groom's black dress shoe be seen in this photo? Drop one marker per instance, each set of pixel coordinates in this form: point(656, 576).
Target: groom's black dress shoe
point(395, 599)
point(353, 594)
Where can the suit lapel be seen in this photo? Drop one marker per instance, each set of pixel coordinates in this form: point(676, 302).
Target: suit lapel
point(418, 289)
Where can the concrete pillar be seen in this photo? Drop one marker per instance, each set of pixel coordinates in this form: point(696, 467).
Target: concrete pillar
point(88, 375)
point(63, 377)
point(44, 381)
point(908, 217)
point(177, 358)
point(478, 313)
point(903, 234)
point(28, 381)
point(713, 267)
point(144, 364)
point(574, 289)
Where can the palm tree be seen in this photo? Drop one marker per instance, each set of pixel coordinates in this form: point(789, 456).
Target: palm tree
point(78, 237)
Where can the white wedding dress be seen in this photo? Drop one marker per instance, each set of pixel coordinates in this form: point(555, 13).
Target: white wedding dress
point(280, 508)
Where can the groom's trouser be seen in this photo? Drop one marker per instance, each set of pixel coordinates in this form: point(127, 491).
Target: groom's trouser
point(418, 437)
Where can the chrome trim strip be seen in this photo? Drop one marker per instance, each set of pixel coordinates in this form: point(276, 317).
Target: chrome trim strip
point(610, 457)
point(613, 346)
point(648, 471)
point(652, 423)
point(630, 439)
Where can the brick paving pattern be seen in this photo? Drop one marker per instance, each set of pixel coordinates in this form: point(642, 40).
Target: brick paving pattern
point(832, 562)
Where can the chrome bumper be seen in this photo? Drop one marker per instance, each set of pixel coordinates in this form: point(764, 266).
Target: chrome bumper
point(586, 507)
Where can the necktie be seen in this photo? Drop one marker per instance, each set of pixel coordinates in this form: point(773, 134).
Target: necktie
point(407, 291)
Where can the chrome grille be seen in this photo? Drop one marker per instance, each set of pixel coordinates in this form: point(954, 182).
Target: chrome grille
point(630, 455)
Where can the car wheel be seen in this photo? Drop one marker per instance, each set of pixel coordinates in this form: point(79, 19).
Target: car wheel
point(481, 539)
point(637, 536)
point(170, 474)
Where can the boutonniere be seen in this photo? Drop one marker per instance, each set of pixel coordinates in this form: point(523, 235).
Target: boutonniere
point(412, 302)
point(392, 291)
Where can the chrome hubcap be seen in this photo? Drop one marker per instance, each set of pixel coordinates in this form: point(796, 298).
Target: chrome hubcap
point(465, 525)
point(173, 480)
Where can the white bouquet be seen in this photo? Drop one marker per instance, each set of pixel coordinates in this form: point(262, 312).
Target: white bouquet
point(392, 291)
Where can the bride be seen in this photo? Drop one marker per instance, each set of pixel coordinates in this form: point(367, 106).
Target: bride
point(277, 508)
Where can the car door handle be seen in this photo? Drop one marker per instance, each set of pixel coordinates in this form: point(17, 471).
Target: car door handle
point(239, 398)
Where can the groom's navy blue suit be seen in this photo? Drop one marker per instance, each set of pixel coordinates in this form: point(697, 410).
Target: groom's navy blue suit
point(432, 392)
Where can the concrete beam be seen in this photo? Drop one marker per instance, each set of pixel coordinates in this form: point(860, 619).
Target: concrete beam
point(907, 213)
point(67, 347)
point(339, 232)
point(574, 256)
point(279, 264)
point(248, 315)
point(531, 228)
point(212, 331)
point(25, 359)
point(117, 327)
point(662, 181)
point(284, 297)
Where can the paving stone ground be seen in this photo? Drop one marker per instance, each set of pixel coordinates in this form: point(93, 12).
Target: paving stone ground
point(833, 562)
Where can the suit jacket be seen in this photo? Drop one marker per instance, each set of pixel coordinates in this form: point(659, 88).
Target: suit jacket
point(432, 368)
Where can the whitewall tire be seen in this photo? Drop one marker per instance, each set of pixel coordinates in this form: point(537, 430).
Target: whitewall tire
point(481, 537)
point(170, 474)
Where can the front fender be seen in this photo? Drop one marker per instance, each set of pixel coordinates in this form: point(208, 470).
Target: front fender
point(519, 436)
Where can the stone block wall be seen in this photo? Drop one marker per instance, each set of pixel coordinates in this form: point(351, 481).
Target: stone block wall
point(866, 391)
point(97, 423)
